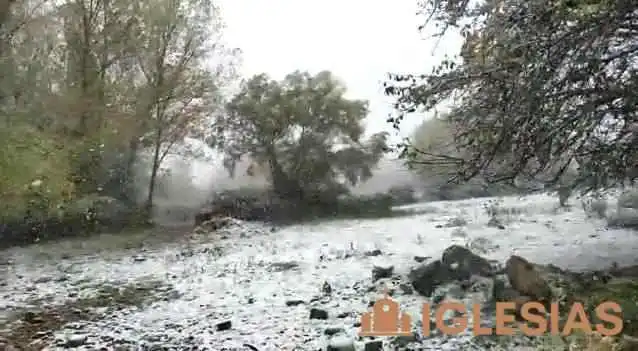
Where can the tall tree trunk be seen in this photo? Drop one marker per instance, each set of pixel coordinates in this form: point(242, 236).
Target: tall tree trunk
point(154, 167)
point(283, 186)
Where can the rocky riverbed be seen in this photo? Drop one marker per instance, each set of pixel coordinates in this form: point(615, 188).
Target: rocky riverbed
point(252, 287)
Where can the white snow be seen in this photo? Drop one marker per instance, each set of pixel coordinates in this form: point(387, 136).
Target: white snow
point(241, 286)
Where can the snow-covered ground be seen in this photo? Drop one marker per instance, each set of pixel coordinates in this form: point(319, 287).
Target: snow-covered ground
point(248, 277)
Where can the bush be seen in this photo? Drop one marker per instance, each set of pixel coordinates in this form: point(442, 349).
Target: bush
point(623, 218)
point(402, 195)
point(595, 207)
point(628, 199)
point(362, 205)
point(35, 173)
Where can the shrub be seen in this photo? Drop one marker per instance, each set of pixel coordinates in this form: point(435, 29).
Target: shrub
point(35, 173)
point(595, 207)
point(628, 199)
point(402, 195)
point(623, 218)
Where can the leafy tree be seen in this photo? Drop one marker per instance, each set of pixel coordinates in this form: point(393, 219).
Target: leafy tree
point(303, 130)
point(88, 88)
point(430, 148)
point(538, 87)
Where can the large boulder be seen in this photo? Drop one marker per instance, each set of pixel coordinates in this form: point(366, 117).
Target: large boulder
point(527, 280)
point(456, 264)
point(466, 262)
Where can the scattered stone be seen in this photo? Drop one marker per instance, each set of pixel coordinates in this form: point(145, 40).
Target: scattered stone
point(330, 331)
point(343, 315)
point(420, 259)
point(326, 288)
point(373, 253)
point(341, 344)
point(43, 280)
point(32, 317)
point(427, 277)
point(456, 222)
point(406, 289)
point(291, 303)
point(374, 345)
point(316, 313)
point(74, 340)
point(379, 272)
point(226, 325)
point(61, 278)
point(253, 348)
point(284, 266)
point(404, 340)
point(139, 258)
point(495, 223)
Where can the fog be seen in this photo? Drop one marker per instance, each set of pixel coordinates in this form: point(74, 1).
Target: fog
point(188, 180)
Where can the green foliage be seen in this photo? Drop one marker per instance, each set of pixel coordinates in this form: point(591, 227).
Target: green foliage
point(303, 130)
point(89, 86)
point(34, 173)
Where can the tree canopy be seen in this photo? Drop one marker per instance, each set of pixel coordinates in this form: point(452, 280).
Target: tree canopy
point(303, 130)
point(538, 87)
point(88, 87)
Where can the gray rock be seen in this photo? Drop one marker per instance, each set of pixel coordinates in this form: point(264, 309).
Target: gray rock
point(316, 313)
point(330, 331)
point(341, 343)
point(427, 277)
point(406, 289)
point(74, 340)
point(525, 278)
point(456, 222)
point(495, 223)
point(379, 272)
point(373, 253)
point(42, 280)
point(139, 258)
point(465, 262)
point(404, 340)
point(374, 345)
point(326, 288)
point(457, 264)
point(226, 325)
point(284, 266)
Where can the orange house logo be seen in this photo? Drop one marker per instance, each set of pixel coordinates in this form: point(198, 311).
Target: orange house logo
point(386, 319)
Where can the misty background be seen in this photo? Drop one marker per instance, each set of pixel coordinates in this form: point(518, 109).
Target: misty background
point(361, 58)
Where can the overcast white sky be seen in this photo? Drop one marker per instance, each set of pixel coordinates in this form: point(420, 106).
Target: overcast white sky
point(360, 41)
